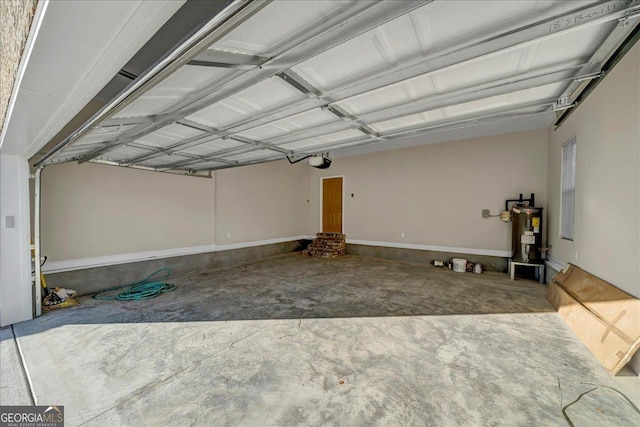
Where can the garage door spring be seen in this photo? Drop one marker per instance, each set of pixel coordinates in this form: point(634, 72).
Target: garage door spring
point(144, 289)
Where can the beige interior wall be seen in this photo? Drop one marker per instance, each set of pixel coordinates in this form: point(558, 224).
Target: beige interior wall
point(435, 194)
point(261, 202)
point(607, 216)
point(94, 210)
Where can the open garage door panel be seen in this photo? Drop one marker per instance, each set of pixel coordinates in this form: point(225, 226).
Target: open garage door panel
point(265, 80)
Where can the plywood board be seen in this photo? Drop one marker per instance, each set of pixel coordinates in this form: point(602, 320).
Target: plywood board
point(606, 319)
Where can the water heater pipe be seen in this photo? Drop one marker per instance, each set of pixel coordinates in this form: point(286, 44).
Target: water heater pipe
point(531, 201)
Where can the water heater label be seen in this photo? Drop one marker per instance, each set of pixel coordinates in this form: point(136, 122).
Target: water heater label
point(536, 222)
point(528, 240)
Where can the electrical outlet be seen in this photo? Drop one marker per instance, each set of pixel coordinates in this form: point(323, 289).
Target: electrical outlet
point(485, 213)
point(401, 234)
point(228, 235)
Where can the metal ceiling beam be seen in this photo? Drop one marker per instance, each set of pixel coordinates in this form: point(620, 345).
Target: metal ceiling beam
point(213, 156)
point(261, 144)
point(533, 107)
point(230, 17)
point(449, 55)
point(182, 145)
point(158, 152)
point(206, 174)
point(190, 157)
point(516, 83)
point(335, 30)
point(485, 90)
point(198, 126)
point(340, 113)
point(447, 124)
point(629, 42)
point(295, 80)
point(594, 67)
point(162, 152)
point(247, 163)
point(349, 121)
point(173, 148)
point(226, 59)
point(454, 123)
point(196, 141)
point(475, 120)
point(467, 94)
point(200, 158)
point(126, 121)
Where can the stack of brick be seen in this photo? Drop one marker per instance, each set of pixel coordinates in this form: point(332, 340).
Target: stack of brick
point(327, 245)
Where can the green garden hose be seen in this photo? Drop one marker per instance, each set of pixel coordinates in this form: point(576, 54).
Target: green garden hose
point(144, 289)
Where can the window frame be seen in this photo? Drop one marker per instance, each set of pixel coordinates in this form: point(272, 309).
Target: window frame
point(568, 189)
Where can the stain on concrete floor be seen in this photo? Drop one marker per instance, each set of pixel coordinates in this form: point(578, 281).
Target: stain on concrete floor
point(302, 341)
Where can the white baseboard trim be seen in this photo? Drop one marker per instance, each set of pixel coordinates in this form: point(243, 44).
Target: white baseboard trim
point(242, 245)
point(102, 261)
point(470, 251)
point(555, 263)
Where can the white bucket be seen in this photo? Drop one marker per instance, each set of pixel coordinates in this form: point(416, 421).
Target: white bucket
point(459, 265)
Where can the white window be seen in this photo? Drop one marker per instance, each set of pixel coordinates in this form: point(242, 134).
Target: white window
point(567, 203)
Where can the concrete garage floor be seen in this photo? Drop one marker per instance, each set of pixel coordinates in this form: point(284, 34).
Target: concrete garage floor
point(298, 341)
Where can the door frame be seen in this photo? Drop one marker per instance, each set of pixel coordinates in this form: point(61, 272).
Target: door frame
point(343, 199)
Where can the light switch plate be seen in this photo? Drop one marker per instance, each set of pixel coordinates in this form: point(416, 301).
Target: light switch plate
point(9, 221)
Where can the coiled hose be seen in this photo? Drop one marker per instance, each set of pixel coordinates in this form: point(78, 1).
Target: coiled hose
point(144, 289)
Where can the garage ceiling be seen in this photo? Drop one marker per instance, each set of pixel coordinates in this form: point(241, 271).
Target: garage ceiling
point(264, 80)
